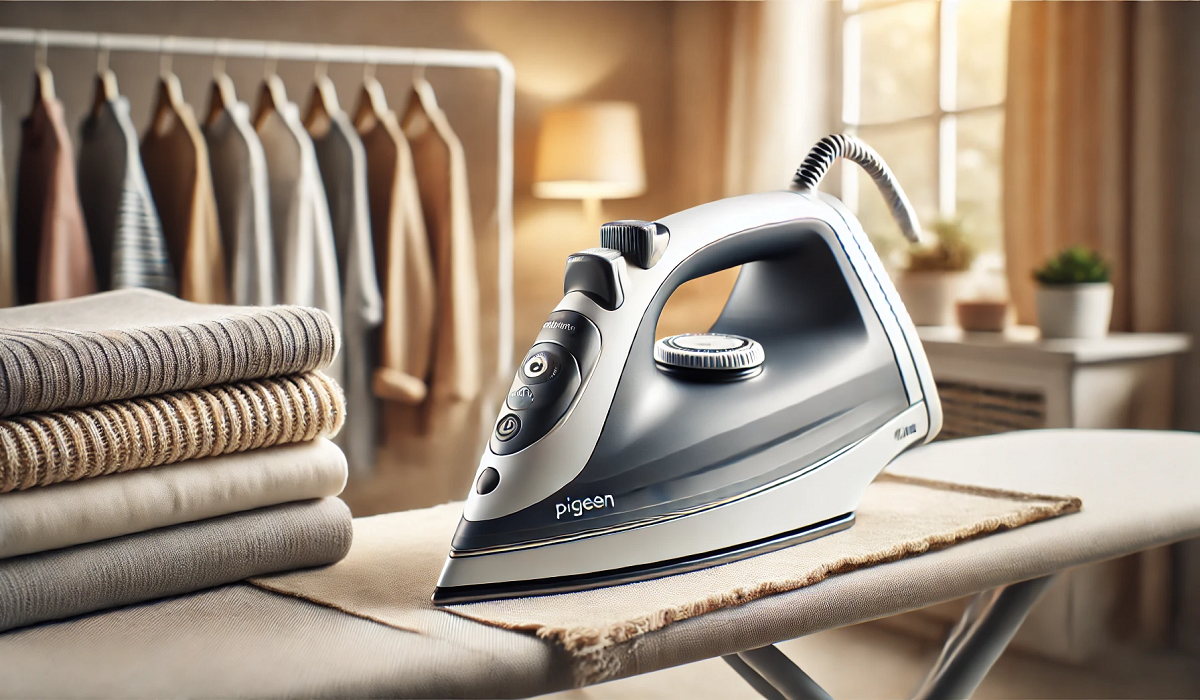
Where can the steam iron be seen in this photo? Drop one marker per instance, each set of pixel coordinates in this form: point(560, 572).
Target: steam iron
point(616, 458)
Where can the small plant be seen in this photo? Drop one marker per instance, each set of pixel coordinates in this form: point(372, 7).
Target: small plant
point(1076, 265)
point(953, 251)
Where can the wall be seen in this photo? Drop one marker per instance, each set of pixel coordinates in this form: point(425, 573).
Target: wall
point(666, 57)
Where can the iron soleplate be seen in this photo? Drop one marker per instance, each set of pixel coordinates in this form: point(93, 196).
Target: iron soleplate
point(642, 572)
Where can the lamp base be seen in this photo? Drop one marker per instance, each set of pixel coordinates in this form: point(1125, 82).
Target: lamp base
point(593, 213)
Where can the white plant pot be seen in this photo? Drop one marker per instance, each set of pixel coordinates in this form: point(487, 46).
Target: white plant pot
point(930, 296)
point(1074, 310)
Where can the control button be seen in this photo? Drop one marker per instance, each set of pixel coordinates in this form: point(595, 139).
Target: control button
point(597, 273)
point(541, 366)
point(487, 482)
point(507, 427)
point(520, 398)
point(641, 242)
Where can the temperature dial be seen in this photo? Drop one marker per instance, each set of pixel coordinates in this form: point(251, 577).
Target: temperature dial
point(709, 357)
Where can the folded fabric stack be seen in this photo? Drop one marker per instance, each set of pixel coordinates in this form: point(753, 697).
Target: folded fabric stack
point(152, 447)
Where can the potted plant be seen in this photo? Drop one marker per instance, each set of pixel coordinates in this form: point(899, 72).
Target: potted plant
point(1074, 295)
point(935, 275)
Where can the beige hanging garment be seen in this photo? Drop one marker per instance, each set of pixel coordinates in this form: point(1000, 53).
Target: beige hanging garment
point(176, 161)
point(53, 256)
point(402, 260)
point(441, 170)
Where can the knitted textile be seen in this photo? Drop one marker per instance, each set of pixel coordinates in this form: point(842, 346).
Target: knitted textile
point(41, 449)
point(131, 343)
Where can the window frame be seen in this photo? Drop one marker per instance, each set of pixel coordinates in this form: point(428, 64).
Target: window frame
point(847, 108)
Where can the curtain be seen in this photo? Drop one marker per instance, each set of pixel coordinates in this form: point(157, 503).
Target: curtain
point(780, 90)
point(1085, 150)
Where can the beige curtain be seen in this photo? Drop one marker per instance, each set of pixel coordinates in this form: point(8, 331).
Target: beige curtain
point(1085, 150)
point(780, 90)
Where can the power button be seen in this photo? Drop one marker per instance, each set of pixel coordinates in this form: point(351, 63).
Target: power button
point(507, 427)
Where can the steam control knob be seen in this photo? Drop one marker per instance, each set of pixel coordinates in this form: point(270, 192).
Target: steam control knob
point(709, 357)
point(641, 242)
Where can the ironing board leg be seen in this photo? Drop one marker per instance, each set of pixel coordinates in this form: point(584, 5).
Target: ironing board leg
point(978, 639)
point(775, 669)
point(751, 676)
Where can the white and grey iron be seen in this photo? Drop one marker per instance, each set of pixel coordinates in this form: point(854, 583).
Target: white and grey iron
point(616, 458)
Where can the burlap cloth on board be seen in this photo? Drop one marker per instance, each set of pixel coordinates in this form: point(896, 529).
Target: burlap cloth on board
point(394, 563)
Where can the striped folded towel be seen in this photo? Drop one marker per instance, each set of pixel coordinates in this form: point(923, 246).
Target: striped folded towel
point(136, 342)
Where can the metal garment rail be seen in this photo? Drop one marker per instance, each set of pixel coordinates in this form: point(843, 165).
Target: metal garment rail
point(330, 53)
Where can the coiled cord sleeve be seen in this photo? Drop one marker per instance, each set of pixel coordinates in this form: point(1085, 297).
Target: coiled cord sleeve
point(830, 148)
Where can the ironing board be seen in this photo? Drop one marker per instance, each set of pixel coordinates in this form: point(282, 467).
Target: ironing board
point(1139, 489)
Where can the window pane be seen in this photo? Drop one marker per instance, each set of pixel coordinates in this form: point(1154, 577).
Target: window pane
point(910, 150)
point(898, 57)
point(982, 52)
point(980, 139)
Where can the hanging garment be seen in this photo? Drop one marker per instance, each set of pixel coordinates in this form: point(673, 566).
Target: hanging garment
point(176, 161)
point(305, 254)
point(128, 247)
point(343, 168)
point(402, 260)
point(441, 169)
point(53, 257)
point(239, 175)
point(7, 289)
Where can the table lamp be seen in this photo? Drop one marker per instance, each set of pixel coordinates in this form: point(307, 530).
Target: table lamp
point(590, 151)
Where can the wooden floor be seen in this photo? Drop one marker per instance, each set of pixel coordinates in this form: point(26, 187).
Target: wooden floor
point(870, 661)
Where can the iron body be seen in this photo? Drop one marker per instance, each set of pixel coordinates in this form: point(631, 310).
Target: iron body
point(605, 468)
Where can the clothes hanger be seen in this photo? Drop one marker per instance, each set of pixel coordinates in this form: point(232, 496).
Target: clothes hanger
point(422, 104)
point(106, 81)
point(372, 102)
point(168, 101)
point(323, 103)
point(43, 79)
point(221, 95)
point(424, 90)
point(272, 96)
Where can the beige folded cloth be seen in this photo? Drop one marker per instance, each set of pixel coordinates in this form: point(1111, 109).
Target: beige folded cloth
point(137, 342)
point(171, 560)
point(393, 567)
point(63, 515)
point(48, 448)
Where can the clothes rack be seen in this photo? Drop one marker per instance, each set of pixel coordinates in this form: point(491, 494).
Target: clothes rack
point(330, 53)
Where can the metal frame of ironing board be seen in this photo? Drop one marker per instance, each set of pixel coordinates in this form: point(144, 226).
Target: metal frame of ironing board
point(973, 645)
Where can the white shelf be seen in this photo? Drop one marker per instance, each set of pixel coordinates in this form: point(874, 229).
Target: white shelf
point(1025, 341)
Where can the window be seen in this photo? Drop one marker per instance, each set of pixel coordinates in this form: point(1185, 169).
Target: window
point(923, 82)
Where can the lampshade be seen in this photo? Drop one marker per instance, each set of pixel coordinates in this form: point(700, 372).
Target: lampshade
point(590, 150)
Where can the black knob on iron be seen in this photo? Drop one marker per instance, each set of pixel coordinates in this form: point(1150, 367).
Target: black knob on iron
point(641, 242)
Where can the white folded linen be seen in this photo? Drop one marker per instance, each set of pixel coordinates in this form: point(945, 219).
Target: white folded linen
point(68, 514)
